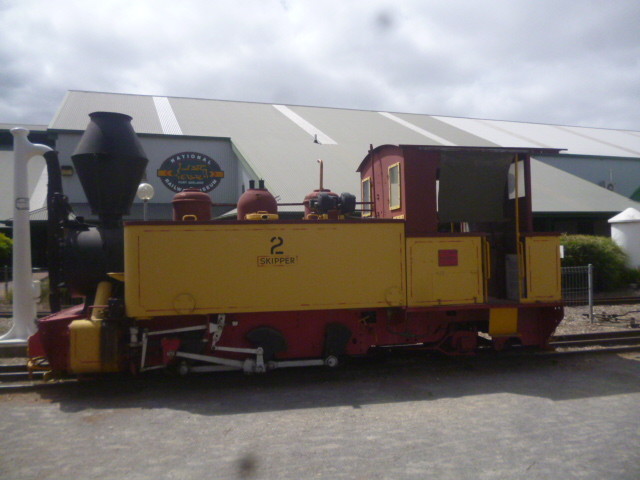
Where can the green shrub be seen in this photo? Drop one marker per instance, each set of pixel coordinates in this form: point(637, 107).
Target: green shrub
point(632, 275)
point(6, 246)
point(608, 259)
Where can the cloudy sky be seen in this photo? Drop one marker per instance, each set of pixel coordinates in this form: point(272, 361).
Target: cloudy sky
point(571, 62)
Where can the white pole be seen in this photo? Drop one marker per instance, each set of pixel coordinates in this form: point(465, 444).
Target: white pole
point(590, 285)
point(24, 305)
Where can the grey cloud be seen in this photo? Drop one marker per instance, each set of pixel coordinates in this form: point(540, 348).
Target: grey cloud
point(549, 61)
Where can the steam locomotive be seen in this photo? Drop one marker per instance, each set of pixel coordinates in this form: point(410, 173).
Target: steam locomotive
point(441, 256)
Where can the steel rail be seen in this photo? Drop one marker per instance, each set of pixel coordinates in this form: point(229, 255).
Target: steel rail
point(629, 338)
point(616, 300)
point(16, 378)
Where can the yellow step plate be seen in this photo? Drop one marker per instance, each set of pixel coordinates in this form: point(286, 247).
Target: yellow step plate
point(503, 321)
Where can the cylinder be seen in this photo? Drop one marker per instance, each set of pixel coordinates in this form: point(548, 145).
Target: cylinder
point(191, 204)
point(88, 255)
point(256, 200)
point(311, 202)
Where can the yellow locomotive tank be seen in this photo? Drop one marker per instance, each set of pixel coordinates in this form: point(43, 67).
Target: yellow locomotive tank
point(259, 267)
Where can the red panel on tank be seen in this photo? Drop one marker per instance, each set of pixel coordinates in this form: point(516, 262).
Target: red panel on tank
point(447, 258)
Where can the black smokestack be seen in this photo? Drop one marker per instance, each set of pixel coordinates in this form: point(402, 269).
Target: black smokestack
point(110, 163)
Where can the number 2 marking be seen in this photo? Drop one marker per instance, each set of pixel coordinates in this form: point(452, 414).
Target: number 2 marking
point(279, 241)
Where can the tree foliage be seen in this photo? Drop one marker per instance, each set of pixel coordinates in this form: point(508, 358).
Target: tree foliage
point(6, 246)
point(608, 259)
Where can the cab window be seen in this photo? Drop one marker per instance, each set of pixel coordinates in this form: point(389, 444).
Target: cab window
point(394, 187)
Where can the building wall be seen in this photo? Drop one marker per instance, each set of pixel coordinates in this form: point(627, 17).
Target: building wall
point(158, 149)
point(573, 224)
point(622, 173)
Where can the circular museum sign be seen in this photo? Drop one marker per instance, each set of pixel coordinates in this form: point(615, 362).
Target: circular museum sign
point(190, 170)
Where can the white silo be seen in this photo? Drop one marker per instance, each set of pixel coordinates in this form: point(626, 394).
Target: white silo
point(625, 231)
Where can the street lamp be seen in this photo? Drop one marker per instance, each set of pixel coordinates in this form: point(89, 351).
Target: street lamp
point(145, 193)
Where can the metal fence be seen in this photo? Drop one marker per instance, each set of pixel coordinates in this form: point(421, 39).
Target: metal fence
point(577, 286)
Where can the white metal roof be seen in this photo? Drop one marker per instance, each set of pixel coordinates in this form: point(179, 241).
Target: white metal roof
point(556, 191)
point(576, 140)
point(278, 142)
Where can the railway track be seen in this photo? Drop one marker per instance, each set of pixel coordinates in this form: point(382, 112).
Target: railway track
point(600, 342)
point(16, 378)
point(616, 301)
point(13, 373)
point(622, 337)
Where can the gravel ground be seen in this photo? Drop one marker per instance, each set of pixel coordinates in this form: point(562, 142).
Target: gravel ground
point(605, 318)
point(480, 418)
point(497, 418)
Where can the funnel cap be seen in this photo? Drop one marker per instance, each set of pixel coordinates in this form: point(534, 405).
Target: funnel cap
point(110, 163)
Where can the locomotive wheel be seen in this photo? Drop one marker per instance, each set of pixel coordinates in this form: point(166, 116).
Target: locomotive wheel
point(335, 341)
point(270, 339)
point(331, 361)
point(183, 369)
